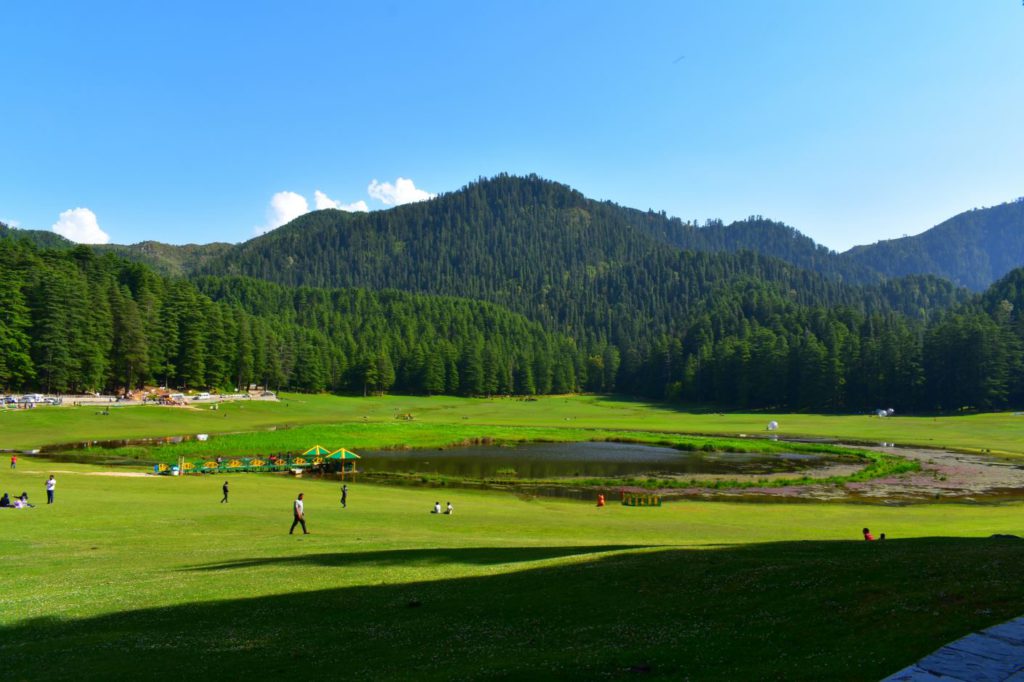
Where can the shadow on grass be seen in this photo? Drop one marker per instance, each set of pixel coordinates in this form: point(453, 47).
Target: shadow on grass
point(792, 610)
point(474, 556)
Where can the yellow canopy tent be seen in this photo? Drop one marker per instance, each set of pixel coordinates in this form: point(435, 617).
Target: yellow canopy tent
point(346, 461)
point(312, 457)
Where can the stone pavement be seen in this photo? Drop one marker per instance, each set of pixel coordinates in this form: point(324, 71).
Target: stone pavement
point(992, 655)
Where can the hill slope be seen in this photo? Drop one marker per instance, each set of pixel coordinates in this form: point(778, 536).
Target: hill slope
point(972, 249)
point(593, 269)
point(168, 259)
point(763, 236)
point(71, 320)
point(40, 238)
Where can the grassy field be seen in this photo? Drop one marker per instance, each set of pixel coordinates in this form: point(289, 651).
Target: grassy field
point(152, 577)
point(437, 418)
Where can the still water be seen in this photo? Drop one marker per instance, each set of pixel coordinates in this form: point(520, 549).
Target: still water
point(561, 460)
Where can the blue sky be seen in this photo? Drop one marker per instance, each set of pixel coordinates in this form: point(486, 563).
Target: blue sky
point(190, 121)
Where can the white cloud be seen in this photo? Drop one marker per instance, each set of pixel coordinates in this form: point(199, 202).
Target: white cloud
point(323, 201)
point(404, 191)
point(10, 223)
point(284, 208)
point(287, 206)
point(80, 225)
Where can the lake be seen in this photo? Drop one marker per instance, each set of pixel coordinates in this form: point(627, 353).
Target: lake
point(584, 460)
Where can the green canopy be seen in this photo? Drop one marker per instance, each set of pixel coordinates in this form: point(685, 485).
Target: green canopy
point(342, 453)
point(316, 450)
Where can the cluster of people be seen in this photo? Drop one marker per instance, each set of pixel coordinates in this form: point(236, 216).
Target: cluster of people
point(299, 509)
point(449, 509)
point(19, 502)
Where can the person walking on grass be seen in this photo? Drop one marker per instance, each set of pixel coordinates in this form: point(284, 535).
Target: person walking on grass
point(300, 516)
point(14, 461)
point(344, 496)
point(225, 489)
point(51, 483)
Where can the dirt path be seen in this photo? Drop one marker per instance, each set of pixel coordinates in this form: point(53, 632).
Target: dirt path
point(944, 475)
point(119, 474)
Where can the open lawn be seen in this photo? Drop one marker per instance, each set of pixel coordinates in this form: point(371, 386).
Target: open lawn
point(999, 433)
point(152, 577)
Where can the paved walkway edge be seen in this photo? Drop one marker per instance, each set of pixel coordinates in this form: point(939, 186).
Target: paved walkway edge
point(992, 655)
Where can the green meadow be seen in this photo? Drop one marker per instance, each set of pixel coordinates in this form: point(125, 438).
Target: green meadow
point(128, 577)
point(1001, 433)
point(133, 576)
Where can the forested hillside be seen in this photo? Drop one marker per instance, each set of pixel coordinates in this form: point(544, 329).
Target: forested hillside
point(175, 260)
point(734, 329)
point(972, 249)
point(760, 235)
point(512, 285)
point(73, 321)
point(166, 259)
point(40, 238)
point(592, 270)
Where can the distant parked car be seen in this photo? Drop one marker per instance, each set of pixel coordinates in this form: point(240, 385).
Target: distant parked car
point(10, 399)
point(31, 398)
point(54, 401)
point(203, 396)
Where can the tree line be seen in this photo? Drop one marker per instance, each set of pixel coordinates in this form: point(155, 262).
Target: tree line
point(73, 321)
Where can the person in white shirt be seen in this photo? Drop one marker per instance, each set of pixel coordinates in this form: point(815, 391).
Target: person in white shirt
point(437, 508)
point(300, 516)
point(450, 509)
point(50, 485)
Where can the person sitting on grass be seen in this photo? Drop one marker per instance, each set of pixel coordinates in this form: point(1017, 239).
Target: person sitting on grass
point(450, 509)
point(437, 508)
point(5, 501)
point(24, 500)
point(867, 535)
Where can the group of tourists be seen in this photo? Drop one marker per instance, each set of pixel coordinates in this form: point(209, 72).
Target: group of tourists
point(299, 508)
point(21, 502)
point(18, 503)
point(449, 509)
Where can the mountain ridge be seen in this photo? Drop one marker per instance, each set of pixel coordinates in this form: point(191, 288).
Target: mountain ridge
point(583, 295)
point(973, 249)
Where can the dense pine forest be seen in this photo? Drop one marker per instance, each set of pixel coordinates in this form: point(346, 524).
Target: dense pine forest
point(592, 270)
point(74, 321)
point(510, 286)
